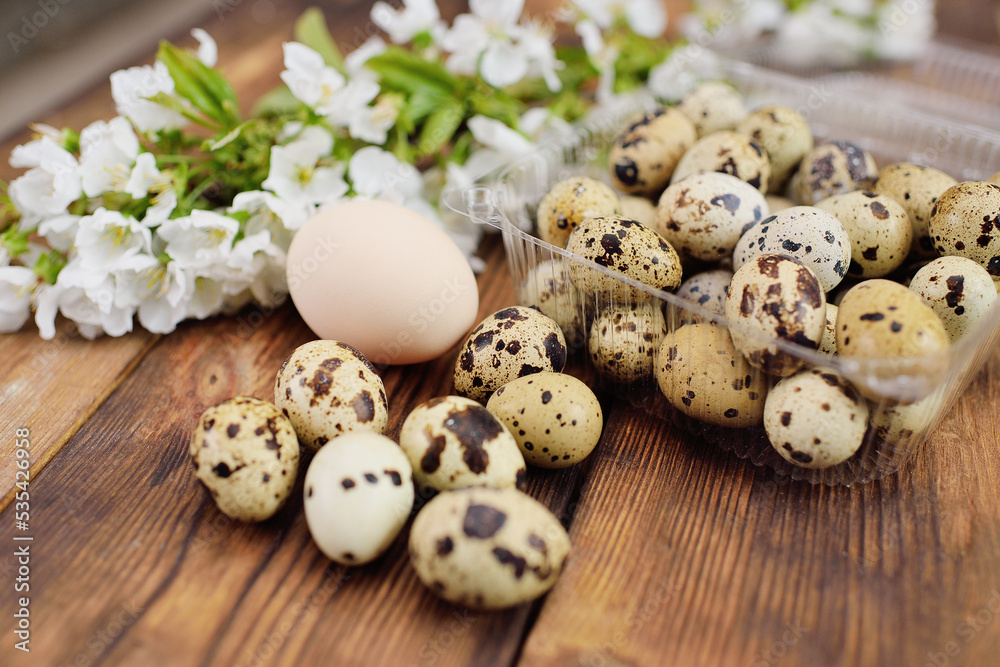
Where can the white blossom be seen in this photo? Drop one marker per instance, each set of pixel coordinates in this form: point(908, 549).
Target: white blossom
point(355, 61)
point(51, 184)
point(107, 152)
point(349, 108)
point(645, 17)
point(59, 231)
point(145, 180)
point(378, 174)
point(17, 286)
point(206, 298)
point(130, 89)
point(87, 297)
point(201, 241)
point(269, 212)
point(402, 26)
point(309, 78)
point(208, 51)
point(107, 240)
point(296, 174)
point(487, 34)
point(157, 291)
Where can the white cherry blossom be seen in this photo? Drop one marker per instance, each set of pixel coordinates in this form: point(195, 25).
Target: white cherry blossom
point(17, 286)
point(59, 231)
point(107, 152)
point(378, 174)
point(645, 17)
point(309, 78)
point(355, 61)
point(208, 50)
point(402, 26)
point(85, 296)
point(107, 240)
point(130, 89)
point(487, 34)
point(145, 180)
point(51, 184)
point(201, 241)
point(157, 290)
point(296, 173)
point(206, 298)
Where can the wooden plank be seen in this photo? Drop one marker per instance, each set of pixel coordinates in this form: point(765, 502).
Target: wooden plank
point(684, 555)
point(53, 387)
point(129, 546)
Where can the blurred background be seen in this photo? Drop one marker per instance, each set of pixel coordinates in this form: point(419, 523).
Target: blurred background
point(52, 50)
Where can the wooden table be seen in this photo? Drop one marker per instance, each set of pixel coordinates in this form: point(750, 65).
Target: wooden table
point(682, 554)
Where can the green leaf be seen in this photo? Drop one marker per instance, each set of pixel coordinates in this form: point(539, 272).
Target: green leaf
point(406, 71)
point(311, 30)
point(171, 102)
point(203, 86)
point(228, 138)
point(49, 265)
point(15, 241)
point(440, 127)
point(277, 102)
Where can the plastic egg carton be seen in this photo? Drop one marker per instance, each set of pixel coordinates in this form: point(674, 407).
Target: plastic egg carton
point(506, 199)
point(951, 79)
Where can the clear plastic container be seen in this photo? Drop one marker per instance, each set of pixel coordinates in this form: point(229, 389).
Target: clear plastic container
point(909, 396)
point(951, 78)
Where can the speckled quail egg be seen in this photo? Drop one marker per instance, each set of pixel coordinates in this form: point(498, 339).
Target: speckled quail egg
point(828, 345)
point(958, 289)
point(453, 442)
point(832, 168)
point(569, 202)
point(246, 453)
point(784, 134)
point(713, 106)
point(624, 247)
point(701, 374)
point(917, 189)
point(644, 155)
point(358, 496)
point(775, 297)
point(730, 153)
point(510, 343)
point(880, 231)
point(881, 320)
point(815, 418)
point(708, 290)
point(624, 339)
point(640, 209)
point(965, 221)
point(487, 548)
point(548, 288)
point(555, 418)
point(809, 234)
point(777, 203)
point(703, 216)
point(901, 424)
point(327, 388)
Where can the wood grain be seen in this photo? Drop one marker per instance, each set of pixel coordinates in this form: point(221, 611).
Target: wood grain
point(682, 554)
point(704, 560)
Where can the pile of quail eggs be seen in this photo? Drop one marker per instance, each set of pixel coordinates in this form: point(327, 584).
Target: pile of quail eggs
point(480, 541)
point(775, 241)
